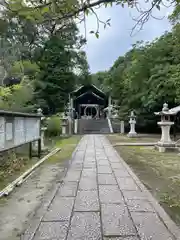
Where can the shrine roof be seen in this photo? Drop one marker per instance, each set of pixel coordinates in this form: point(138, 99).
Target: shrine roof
point(89, 88)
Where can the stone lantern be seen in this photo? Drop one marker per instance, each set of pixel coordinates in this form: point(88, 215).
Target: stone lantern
point(132, 133)
point(165, 125)
point(115, 114)
point(64, 124)
point(115, 111)
point(70, 116)
point(43, 129)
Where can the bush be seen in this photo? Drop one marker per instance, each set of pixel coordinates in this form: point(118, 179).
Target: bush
point(53, 126)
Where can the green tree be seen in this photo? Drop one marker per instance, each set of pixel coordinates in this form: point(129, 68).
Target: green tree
point(18, 97)
point(146, 77)
point(58, 61)
point(42, 11)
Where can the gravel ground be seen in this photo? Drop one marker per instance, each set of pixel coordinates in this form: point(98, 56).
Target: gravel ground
point(20, 206)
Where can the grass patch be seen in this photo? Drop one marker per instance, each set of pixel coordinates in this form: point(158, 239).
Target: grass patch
point(67, 146)
point(160, 173)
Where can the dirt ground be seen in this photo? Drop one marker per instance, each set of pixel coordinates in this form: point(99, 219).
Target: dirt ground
point(19, 207)
point(160, 172)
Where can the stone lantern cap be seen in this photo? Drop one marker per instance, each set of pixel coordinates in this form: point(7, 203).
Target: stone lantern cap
point(40, 112)
point(132, 115)
point(165, 111)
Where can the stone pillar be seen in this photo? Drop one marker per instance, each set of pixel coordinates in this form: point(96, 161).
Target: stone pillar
point(70, 117)
point(75, 126)
point(64, 125)
point(109, 100)
point(165, 134)
point(122, 127)
point(132, 122)
point(109, 106)
point(72, 103)
point(43, 129)
point(63, 130)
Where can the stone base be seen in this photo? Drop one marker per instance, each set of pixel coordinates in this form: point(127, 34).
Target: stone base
point(132, 135)
point(166, 144)
point(166, 148)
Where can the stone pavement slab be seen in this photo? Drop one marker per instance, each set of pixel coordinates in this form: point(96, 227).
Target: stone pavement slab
point(121, 173)
point(110, 194)
point(102, 199)
point(85, 226)
point(149, 226)
point(103, 162)
point(68, 190)
point(106, 179)
point(116, 220)
point(72, 176)
point(121, 238)
point(91, 173)
point(127, 183)
point(134, 195)
point(60, 209)
point(87, 201)
point(52, 230)
point(139, 205)
point(104, 169)
point(87, 183)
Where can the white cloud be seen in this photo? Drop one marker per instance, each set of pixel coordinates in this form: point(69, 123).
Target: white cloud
point(116, 40)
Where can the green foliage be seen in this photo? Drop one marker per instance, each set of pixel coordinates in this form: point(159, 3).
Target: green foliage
point(53, 126)
point(18, 97)
point(40, 40)
point(146, 77)
point(56, 78)
point(46, 51)
point(40, 11)
point(175, 16)
point(101, 79)
point(26, 67)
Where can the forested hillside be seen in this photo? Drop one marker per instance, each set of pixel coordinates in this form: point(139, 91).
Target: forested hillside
point(145, 77)
point(42, 49)
point(45, 57)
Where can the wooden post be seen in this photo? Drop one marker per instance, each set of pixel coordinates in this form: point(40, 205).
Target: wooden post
point(30, 150)
point(39, 148)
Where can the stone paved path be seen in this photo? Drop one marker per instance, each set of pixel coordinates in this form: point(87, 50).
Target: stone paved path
point(101, 199)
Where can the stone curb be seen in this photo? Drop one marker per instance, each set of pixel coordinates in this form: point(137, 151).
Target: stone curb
point(133, 144)
point(170, 225)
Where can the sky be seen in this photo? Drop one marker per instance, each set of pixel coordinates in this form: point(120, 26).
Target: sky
point(116, 40)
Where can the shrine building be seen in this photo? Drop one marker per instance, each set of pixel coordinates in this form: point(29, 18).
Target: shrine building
point(89, 102)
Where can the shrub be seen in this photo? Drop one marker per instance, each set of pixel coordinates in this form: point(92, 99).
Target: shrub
point(53, 126)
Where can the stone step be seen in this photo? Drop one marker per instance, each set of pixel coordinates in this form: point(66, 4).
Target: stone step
point(86, 126)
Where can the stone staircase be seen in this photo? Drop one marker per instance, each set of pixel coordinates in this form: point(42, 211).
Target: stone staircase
point(90, 126)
